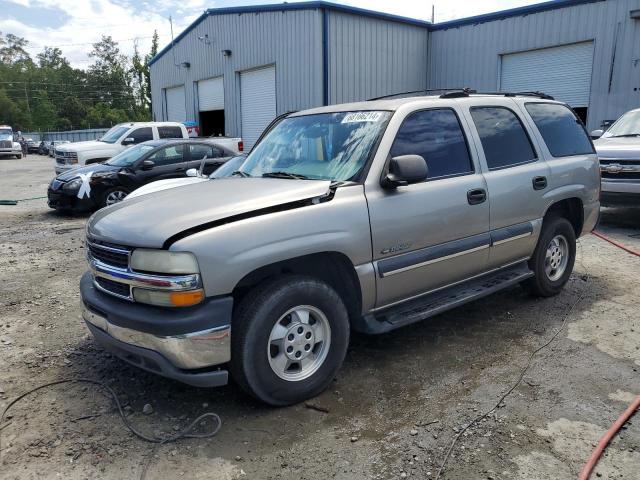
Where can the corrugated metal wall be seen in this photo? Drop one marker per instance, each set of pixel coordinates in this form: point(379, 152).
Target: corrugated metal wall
point(369, 57)
point(292, 40)
point(470, 55)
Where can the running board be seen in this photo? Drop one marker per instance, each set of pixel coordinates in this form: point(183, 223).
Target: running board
point(432, 304)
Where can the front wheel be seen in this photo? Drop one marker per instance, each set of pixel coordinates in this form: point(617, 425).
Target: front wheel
point(289, 339)
point(19, 156)
point(553, 259)
point(113, 196)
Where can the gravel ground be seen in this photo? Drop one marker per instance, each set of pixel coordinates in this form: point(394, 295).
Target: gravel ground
point(392, 411)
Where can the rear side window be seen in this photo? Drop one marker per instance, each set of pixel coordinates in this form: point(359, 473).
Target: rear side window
point(141, 135)
point(168, 155)
point(560, 128)
point(435, 135)
point(504, 140)
point(199, 151)
point(169, 132)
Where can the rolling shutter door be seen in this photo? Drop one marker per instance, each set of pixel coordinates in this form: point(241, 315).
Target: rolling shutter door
point(257, 102)
point(176, 104)
point(211, 94)
point(563, 72)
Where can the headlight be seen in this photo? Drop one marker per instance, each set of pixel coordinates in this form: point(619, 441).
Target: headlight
point(73, 184)
point(163, 261)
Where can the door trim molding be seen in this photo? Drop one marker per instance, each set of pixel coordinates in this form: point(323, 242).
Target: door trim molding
point(456, 248)
point(510, 233)
point(433, 254)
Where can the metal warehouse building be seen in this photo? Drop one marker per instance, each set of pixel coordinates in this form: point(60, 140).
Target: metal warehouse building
point(235, 69)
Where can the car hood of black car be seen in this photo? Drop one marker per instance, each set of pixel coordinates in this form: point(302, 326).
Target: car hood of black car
point(95, 168)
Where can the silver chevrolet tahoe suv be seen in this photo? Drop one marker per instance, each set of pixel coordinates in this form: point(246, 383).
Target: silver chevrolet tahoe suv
point(619, 152)
point(366, 216)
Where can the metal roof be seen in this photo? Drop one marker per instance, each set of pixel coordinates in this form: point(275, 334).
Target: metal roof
point(310, 5)
point(283, 7)
point(512, 12)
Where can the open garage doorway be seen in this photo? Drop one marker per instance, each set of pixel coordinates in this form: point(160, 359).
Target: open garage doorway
point(211, 106)
point(212, 123)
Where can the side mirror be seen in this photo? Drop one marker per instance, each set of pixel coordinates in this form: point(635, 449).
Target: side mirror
point(148, 165)
point(595, 134)
point(192, 172)
point(128, 141)
point(404, 170)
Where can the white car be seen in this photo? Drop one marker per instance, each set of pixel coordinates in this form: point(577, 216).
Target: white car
point(193, 176)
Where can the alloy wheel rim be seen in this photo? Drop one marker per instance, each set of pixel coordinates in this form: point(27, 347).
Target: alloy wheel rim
point(556, 258)
point(115, 197)
point(299, 343)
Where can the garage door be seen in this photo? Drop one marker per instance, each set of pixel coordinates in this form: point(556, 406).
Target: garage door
point(563, 72)
point(257, 102)
point(176, 104)
point(211, 94)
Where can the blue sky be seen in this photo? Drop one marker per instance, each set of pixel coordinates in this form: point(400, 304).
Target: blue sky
point(73, 25)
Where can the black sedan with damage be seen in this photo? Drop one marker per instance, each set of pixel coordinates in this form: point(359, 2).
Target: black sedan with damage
point(102, 184)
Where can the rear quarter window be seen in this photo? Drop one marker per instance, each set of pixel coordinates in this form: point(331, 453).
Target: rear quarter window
point(169, 132)
point(561, 130)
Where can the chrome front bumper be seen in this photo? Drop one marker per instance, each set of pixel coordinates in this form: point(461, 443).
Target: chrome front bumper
point(620, 186)
point(187, 351)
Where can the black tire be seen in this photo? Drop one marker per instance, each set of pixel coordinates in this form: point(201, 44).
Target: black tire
point(19, 156)
point(253, 322)
point(105, 195)
point(541, 284)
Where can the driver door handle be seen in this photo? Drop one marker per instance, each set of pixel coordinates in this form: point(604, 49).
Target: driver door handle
point(476, 196)
point(539, 183)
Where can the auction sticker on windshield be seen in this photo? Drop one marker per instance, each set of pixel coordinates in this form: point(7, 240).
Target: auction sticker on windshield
point(362, 117)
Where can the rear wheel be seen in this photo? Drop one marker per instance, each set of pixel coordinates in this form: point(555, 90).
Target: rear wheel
point(19, 156)
point(113, 196)
point(289, 339)
point(553, 259)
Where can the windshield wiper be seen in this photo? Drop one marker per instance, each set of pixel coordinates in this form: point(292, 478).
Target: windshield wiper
point(626, 135)
point(295, 176)
point(240, 173)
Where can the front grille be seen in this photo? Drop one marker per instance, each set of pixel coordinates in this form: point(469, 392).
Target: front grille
point(6, 144)
point(60, 161)
point(107, 254)
point(622, 175)
point(111, 286)
point(623, 169)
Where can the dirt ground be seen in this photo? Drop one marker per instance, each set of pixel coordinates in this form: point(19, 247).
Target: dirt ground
point(391, 412)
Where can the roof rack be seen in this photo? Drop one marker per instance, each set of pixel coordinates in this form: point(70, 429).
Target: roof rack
point(423, 91)
point(465, 92)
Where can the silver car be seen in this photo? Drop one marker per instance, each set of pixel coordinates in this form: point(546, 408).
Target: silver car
point(619, 153)
point(367, 216)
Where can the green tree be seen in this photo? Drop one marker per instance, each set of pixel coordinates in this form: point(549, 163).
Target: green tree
point(12, 49)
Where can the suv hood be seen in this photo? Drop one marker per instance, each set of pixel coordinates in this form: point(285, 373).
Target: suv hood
point(83, 146)
point(150, 220)
point(618, 148)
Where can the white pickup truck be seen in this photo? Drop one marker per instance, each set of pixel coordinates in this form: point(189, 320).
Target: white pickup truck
point(120, 137)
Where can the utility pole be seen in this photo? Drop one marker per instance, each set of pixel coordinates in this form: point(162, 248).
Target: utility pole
point(26, 96)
